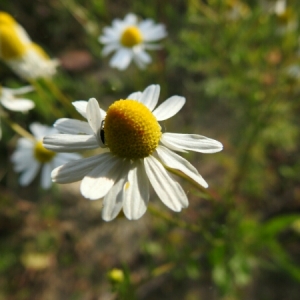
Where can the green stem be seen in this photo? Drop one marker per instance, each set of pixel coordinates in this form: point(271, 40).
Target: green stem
point(247, 147)
point(179, 223)
point(46, 100)
point(18, 129)
point(57, 93)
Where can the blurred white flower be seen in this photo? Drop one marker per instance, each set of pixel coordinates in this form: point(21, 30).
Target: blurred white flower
point(236, 10)
point(129, 38)
point(286, 16)
point(9, 100)
point(30, 156)
point(139, 153)
point(25, 58)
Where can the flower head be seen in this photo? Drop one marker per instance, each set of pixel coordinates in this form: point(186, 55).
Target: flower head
point(139, 153)
point(31, 156)
point(130, 38)
point(9, 100)
point(25, 58)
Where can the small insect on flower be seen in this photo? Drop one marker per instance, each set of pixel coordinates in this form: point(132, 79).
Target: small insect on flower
point(139, 153)
point(102, 133)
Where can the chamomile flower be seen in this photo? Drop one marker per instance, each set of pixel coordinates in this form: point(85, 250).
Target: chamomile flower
point(139, 153)
point(30, 157)
point(129, 38)
point(11, 100)
point(27, 59)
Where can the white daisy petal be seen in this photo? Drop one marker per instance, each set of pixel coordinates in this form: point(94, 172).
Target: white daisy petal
point(22, 105)
point(72, 126)
point(169, 191)
point(136, 192)
point(105, 39)
point(39, 130)
point(22, 159)
point(174, 161)
point(150, 96)
point(141, 58)
point(109, 48)
point(121, 59)
point(171, 146)
point(29, 174)
point(69, 142)
point(22, 90)
point(146, 24)
point(113, 201)
point(94, 116)
point(98, 182)
point(63, 158)
point(152, 46)
point(81, 106)
point(24, 143)
point(135, 96)
point(75, 170)
point(46, 176)
point(130, 19)
point(109, 33)
point(169, 108)
point(154, 33)
point(193, 142)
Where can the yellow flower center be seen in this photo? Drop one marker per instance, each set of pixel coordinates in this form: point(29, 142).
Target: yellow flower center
point(6, 18)
point(39, 50)
point(131, 36)
point(131, 130)
point(42, 154)
point(11, 47)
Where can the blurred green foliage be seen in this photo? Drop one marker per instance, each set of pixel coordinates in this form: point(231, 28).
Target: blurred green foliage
point(236, 63)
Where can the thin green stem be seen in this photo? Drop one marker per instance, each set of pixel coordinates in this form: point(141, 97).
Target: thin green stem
point(179, 223)
point(57, 93)
point(46, 100)
point(18, 129)
point(208, 194)
point(247, 147)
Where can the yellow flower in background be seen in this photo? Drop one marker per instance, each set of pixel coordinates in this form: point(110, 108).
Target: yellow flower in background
point(129, 38)
point(25, 58)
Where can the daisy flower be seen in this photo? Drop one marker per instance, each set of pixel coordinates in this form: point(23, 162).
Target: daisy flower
point(31, 156)
point(9, 100)
point(27, 59)
point(129, 38)
point(138, 155)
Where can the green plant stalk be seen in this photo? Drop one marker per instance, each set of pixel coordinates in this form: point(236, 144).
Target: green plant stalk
point(18, 129)
point(247, 147)
point(57, 93)
point(46, 99)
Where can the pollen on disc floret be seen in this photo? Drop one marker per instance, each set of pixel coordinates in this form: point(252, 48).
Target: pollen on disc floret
point(131, 130)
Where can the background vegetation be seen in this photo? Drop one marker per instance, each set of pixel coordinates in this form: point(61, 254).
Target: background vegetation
point(237, 63)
